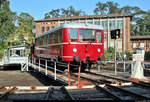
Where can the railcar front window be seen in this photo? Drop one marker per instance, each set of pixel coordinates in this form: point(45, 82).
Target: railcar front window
point(73, 35)
point(86, 35)
point(99, 36)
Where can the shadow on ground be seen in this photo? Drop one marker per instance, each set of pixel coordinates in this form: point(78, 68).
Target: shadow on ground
point(13, 67)
point(45, 80)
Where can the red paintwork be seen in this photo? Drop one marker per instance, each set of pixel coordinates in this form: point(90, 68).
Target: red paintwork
point(65, 50)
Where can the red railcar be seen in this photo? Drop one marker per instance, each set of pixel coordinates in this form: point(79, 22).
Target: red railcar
point(76, 42)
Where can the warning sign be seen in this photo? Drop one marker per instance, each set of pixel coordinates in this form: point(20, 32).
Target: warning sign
point(138, 57)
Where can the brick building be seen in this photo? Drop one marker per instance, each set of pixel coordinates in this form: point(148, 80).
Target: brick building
point(140, 42)
point(109, 22)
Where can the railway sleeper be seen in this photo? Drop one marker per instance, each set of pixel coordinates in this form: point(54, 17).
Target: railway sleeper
point(136, 95)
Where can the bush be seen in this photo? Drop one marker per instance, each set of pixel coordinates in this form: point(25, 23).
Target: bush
point(106, 55)
point(129, 55)
point(1, 54)
point(109, 54)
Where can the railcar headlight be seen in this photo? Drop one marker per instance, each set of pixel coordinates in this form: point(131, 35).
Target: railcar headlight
point(99, 50)
point(74, 50)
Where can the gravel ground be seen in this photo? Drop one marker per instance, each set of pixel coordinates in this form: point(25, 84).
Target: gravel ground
point(17, 78)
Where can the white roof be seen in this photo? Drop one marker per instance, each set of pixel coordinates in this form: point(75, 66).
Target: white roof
point(73, 25)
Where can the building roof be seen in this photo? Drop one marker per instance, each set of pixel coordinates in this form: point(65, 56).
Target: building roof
point(83, 17)
point(140, 37)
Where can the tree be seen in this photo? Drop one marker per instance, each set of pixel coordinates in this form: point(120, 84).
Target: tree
point(7, 19)
point(25, 27)
point(64, 12)
point(70, 11)
point(109, 7)
point(101, 8)
point(112, 7)
point(1, 3)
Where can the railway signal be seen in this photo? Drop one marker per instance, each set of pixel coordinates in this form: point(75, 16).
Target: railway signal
point(115, 34)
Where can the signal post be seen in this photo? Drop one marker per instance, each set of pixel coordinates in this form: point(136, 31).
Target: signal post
point(115, 34)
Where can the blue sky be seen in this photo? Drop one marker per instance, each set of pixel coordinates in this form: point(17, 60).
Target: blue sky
point(37, 8)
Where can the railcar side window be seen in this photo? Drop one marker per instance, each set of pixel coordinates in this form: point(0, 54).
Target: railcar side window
point(60, 36)
point(48, 38)
point(45, 39)
point(40, 41)
point(73, 35)
point(86, 35)
point(99, 36)
point(51, 38)
point(55, 37)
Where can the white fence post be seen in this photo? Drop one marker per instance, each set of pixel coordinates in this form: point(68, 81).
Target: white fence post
point(124, 67)
point(46, 68)
point(27, 64)
point(39, 64)
point(55, 69)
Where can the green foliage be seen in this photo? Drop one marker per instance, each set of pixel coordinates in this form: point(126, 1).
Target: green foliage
point(7, 19)
point(109, 54)
point(129, 55)
point(1, 50)
point(1, 54)
point(24, 28)
point(70, 11)
point(140, 24)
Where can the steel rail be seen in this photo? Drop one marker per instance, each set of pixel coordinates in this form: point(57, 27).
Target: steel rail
point(2, 88)
point(110, 77)
point(67, 93)
point(140, 83)
point(110, 94)
point(120, 89)
point(128, 92)
point(7, 93)
point(49, 93)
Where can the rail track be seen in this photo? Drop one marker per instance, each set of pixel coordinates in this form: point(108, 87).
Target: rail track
point(134, 91)
point(101, 87)
point(95, 92)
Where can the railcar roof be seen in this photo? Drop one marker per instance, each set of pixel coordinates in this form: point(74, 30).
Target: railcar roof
point(73, 25)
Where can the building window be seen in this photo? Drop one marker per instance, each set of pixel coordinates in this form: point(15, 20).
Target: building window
point(105, 36)
point(148, 44)
point(105, 25)
point(43, 29)
point(82, 21)
point(97, 22)
point(120, 45)
point(90, 22)
point(53, 27)
point(47, 28)
point(141, 44)
point(119, 24)
point(105, 44)
point(111, 44)
point(112, 24)
point(134, 45)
